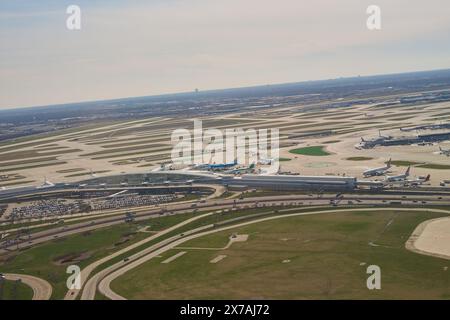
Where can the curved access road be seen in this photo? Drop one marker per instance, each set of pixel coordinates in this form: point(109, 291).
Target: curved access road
point(105, 284)
point(91, 285)
point(42, 290)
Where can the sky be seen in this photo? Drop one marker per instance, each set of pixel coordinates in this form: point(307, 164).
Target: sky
point(140, 48)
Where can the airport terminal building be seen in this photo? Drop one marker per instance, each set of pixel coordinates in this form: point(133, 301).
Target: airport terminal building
point(292, 182)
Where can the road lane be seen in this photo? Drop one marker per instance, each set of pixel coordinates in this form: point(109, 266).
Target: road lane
point(42, 290)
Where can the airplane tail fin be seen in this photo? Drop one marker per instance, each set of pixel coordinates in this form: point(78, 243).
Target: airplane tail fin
point(427, 178)
point(408, 171)
point(389, 163)
point(362, 139)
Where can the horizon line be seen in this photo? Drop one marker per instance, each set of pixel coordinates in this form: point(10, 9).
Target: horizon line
point(217, 89)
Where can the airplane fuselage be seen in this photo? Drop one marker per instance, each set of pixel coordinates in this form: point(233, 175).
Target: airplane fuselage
point(375, 172)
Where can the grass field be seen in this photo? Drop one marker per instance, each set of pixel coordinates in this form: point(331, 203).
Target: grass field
point(13, 290)
point(434, 166)
point(359, 158)
point(45, 261)
point(325, 257)
point(404, 163)
point(310, 151)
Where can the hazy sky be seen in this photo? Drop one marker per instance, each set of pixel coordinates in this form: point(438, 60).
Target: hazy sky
point(134, 48)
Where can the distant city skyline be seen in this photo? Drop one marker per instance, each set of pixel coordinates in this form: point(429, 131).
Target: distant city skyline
point(136, 48)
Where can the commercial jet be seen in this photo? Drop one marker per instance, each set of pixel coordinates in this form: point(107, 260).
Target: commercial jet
point(418, 181)
point(221, 166)
point(378, 171)
point(46, 184)
point(400, 177)
point(248, 169)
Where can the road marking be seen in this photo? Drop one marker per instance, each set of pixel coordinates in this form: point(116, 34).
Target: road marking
point(169, 260)
point(218, 258)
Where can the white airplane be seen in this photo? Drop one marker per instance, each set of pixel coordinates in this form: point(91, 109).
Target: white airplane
point(199, 166)
point(263, 161)
point(378, 171)
point(266, 161)
point(444, 151)
point(46, 184)
point(418, 181)
point(248, 169)
point(400, 177)
point(411, 182)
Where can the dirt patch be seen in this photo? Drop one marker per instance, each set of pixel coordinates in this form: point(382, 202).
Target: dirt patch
point(72, 258)
point(431, 238)
point(5, 259)
point(124, 239)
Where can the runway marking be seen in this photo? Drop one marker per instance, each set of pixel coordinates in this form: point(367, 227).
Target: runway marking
point(179, 254)
point(232, 239)
point(218, 258)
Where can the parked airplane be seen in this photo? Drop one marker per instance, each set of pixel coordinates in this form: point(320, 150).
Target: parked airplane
point(400, 177)
point(378, 171)
point(419, 181)
point(266, 161)
point(444, 151)
point(248, 169)
point(412, 182)
point(199, 166)
point(263, 161)
point(46, 184)
point(221, 166)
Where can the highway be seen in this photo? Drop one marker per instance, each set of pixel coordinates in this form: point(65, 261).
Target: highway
point(218, 191)
point(216, 204)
